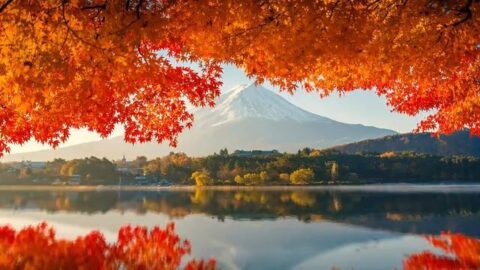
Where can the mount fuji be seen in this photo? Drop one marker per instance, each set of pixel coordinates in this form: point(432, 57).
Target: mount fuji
point(246, 117)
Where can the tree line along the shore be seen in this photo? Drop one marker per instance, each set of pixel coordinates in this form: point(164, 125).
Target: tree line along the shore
point(307, 166)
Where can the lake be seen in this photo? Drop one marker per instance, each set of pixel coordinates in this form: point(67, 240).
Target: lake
point(349, 227)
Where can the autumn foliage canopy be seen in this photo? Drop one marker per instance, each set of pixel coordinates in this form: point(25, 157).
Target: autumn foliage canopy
point(36, 247)
point(93, 63)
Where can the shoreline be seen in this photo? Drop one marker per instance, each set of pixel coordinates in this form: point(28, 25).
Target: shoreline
point(390, 187)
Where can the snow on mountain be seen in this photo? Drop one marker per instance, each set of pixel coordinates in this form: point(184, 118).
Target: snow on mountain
point(253, 101)
point(247, 117)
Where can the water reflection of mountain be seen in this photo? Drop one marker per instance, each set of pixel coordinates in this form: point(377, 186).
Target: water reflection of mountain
point(402, 212)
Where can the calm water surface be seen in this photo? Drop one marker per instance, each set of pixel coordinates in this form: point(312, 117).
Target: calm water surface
point(369, 227)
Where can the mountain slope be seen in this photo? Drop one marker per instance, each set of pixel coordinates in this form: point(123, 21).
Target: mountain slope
point(459, 143)
point(247, 117)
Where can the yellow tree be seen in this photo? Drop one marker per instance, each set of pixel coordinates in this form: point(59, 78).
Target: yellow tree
point(302, 176)
point(201, 178)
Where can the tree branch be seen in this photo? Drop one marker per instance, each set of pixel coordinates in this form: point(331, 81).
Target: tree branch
point(138, 8)
point(74, 33)
point(5, 4)
point(464, 10)
point(102, 6)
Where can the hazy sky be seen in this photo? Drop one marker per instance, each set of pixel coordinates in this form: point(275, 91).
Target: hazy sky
point(359, 107)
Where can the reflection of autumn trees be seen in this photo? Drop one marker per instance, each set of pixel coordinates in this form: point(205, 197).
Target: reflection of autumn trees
point(201, 196)
point(36, 247)
point(336, 204)
point(163, 207)
point(302, 198)
point(459, 252)
point(303, 204)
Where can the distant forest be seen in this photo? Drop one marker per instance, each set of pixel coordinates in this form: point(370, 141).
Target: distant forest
point(306, 167)
point(459, 143)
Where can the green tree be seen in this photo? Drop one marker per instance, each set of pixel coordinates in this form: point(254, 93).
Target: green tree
point(98, 169)
point(140, 161)
point(153, 167)
point(224, 152)
point(53, 168)
point(175, 167)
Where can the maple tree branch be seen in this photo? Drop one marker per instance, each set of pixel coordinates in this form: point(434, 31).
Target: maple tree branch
point(5, 5)
point(266, 21)
point(138, 8)
point(101, 6)
point(138, 14)
point(65, 39)
point(464, 10)
point(373, 4)
point(74, 33)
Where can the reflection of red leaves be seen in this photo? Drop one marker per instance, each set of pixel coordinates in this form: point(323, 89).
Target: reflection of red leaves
point(36, 247)
point(137, 246)
point(461, 252)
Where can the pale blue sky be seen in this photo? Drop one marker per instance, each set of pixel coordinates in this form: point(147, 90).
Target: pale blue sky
point(359, 107)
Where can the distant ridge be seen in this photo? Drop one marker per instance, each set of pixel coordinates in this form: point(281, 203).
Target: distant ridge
point(460, 143)
point(247, 117)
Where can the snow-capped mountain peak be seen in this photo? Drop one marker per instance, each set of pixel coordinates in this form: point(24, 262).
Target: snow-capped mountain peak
point(247, 117)
point(253, 101)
